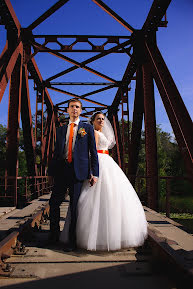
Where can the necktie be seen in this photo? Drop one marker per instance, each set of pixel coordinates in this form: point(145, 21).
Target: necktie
point(70, 142)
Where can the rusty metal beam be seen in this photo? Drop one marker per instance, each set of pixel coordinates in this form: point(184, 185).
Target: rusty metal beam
point(138, 112)
point(114, 15)
point(156, 13)
point(118, 48)
point(9, 17)
point(127, 77)
point(83, 83)
point(13, 128)
point(35, 73)
point(74, 95)
point(78, 64)
point(70, 47)
point(178, 115)
point(87, 94)
point(81, 37)
point(7, 67)
point(14, 117)
point(97, 91)
point(46, 14)
point(93, 58)
point(26, 118)
point(36, 50)
point(150, 138)
point(3, 55)
point(119, 149)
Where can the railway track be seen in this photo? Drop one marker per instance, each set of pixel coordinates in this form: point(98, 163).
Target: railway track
point(27, 261)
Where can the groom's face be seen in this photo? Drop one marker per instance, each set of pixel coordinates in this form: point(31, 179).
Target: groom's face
point(74, 110)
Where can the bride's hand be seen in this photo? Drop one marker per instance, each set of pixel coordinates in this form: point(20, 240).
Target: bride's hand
point(92, 180)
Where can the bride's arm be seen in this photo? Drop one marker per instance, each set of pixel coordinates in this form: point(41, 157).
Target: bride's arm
point(96, 135)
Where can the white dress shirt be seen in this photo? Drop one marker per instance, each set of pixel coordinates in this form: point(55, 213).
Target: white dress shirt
point(74, 136)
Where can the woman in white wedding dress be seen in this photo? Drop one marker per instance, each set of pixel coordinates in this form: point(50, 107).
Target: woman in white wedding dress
point(110, 214)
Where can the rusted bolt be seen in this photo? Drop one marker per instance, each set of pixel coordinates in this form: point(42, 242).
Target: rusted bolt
point(19, 249)
point(7, 268)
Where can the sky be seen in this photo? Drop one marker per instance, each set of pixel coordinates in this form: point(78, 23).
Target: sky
point(85, 17)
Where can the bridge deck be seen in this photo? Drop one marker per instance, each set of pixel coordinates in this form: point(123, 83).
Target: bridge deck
point(133, 268)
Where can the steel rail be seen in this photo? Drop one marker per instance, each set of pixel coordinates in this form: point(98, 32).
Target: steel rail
point(9, 243)
point(161, 247)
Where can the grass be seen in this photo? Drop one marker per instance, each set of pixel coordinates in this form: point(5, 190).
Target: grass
point(178, 204)
point(181, 208)
point(185, 219)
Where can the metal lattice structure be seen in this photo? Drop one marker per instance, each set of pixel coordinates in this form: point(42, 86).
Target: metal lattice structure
point(146, 65)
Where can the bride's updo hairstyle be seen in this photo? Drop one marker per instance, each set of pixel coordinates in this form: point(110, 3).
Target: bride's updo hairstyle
point(94, 116)
point(107, 129)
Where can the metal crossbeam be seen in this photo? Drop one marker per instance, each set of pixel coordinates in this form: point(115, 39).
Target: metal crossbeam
point(48, 13)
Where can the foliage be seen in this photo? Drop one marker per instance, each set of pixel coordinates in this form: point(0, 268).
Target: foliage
point(21, 154)
point(185, 219)
point(178, 204)
point(3, 133)
point(170, 162)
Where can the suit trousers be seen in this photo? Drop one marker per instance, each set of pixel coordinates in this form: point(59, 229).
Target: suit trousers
point(63, 180)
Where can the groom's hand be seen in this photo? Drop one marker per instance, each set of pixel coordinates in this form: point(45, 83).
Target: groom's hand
point(92, 180)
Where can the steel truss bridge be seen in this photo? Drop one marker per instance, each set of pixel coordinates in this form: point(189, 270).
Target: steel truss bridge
point(145, 66)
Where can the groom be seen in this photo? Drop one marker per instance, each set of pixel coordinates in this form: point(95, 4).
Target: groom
point(75, 159)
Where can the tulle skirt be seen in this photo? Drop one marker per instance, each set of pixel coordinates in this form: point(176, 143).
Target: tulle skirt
point(110, 214)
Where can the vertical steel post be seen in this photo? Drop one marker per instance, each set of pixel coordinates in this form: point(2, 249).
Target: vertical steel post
point(118, 139)
point(125, 127)
point(150, 138)
point(27, 126)
point(168, 193)
point(13, 127)
point(26, 118)
point(138, 112)
point(39, 127)
point(178, 115)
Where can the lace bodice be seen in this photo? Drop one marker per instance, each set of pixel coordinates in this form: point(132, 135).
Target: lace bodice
point(103, 143)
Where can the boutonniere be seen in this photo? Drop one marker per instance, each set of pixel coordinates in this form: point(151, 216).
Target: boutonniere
point(82, 132)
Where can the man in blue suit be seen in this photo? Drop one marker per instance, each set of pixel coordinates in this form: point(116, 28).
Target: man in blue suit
point(75, 160)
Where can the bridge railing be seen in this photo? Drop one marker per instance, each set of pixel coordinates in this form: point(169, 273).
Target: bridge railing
point(20, 191)
point(166, 183)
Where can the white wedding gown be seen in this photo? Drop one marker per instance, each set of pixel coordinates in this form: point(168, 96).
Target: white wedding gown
point(110, 214)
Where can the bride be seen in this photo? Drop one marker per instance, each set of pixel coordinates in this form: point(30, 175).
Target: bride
point(110, 214)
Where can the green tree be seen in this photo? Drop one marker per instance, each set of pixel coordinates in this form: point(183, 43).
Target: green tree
point(21, 154)
point(3, 133)
point(170, 162)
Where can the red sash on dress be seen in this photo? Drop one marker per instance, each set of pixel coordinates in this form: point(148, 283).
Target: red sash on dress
point(103, 152)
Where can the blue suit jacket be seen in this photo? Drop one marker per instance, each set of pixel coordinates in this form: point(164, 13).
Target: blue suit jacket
point(84, 156)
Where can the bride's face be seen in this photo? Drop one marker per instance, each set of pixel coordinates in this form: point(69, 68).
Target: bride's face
point(99, 121)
